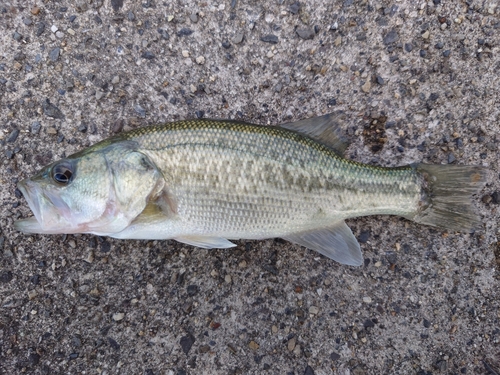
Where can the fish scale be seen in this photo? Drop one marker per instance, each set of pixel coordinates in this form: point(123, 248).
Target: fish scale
point(203, 182)
point(306, 182)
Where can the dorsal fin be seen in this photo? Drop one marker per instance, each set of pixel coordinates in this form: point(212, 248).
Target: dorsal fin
point(324, 129)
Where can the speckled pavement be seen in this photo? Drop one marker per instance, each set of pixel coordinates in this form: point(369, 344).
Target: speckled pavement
point(417, 81)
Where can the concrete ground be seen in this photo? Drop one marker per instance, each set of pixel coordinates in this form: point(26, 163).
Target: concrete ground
point(418, 81)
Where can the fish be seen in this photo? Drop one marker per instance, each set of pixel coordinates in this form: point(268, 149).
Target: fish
point(207, 183)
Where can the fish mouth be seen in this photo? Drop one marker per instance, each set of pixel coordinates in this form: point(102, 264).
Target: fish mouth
point(32, 196)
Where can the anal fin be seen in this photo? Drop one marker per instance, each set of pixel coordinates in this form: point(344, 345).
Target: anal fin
point(337, 243)
point(206, 242)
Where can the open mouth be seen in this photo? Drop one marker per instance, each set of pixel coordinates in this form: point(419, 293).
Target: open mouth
point(31, 224)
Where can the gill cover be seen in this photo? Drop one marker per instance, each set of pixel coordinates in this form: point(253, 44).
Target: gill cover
point(135, 180)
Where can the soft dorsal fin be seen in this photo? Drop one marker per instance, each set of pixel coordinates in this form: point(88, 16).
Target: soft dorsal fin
point(337, 243)
point(325, 129)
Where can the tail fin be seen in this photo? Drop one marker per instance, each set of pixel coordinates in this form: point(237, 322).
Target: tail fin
point(447, 191)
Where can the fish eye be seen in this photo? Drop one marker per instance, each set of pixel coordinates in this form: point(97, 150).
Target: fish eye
point(62, 173)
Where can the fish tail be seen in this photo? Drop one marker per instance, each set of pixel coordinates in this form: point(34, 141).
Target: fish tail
point(446, 196)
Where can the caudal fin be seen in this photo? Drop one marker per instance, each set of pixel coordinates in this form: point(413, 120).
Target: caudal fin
point(447, 191)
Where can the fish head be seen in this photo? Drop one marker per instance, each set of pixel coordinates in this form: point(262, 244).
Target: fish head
point(97, 191)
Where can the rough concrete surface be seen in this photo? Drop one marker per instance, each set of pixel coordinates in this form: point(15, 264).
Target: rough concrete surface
point(418, 81)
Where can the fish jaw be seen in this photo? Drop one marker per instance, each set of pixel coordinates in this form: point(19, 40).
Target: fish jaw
point(32, 196)
point(29, 225)
point(46, 219)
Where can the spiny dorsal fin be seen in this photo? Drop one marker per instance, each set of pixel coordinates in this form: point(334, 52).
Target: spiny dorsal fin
point(324, 129)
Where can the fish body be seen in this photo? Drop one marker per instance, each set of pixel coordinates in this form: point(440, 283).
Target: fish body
point(206, 182)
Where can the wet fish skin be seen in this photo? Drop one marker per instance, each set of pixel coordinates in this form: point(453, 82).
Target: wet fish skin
point(204, 182)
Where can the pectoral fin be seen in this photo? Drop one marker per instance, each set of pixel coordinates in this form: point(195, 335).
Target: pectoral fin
point(206, 242)
point(337, 243)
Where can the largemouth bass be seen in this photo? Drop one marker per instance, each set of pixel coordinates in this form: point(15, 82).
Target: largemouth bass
point(206, 182)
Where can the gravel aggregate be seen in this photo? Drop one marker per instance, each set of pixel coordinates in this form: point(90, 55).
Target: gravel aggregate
point(417, 81)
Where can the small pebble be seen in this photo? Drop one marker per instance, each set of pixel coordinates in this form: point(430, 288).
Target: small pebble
point(200, 60)
point(270, 38)
point(118, 316)
point(90, 257)
point(238, 38)
point(313, 310)
point(35, 10)
point(253, 345)
point(391, 37)
point(54, 28)
point(193, 17)
point(367, 300)
point(291, 344)
point(118, 126)
point(309, 370)
point(71, 31)
point(294, 8)
point(148, 55)
point(305, 33)
point(140, 111)
point(486, 199)
point(334, 356)
point(184, 32)
point(185, 53)
point(366, 86)
point(13, 136)
point(54, 54)
point(40, 28)
point(32, 294)
point(59, 34)
point(495, 197)
point(164, 34)
point(35, 127)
